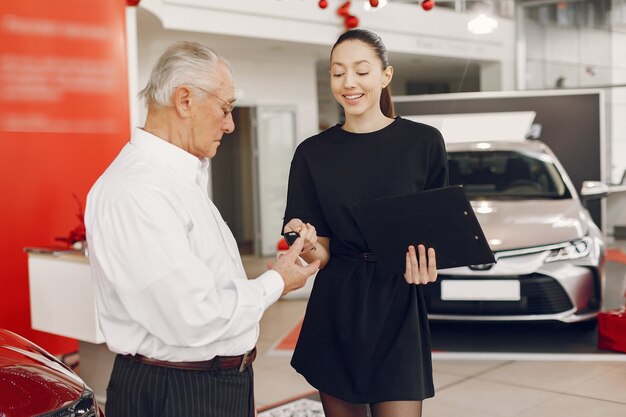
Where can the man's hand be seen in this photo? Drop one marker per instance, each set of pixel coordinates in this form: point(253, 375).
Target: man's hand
point(291, 269)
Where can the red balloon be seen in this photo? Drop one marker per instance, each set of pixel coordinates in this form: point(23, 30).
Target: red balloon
point(374, 3)
point(428, 4)
point(352, 21)
point(344, 9)
point(323, 4)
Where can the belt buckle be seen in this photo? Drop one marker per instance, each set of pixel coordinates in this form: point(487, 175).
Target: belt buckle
point(244, 360)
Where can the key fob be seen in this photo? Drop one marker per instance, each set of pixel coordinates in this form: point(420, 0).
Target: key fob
point(291, 237)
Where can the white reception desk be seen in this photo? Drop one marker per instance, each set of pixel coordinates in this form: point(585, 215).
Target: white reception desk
point(62, 303)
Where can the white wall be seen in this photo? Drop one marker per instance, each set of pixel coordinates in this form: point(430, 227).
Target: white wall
point(280, 83)
point(277, 79)
point(584, 58)
point(274, 45)
point(405, 28)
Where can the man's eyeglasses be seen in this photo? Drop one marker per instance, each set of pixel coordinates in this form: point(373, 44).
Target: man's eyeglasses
point(230, 105)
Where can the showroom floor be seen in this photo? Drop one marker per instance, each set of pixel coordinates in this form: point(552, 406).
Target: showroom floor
point(479, 385)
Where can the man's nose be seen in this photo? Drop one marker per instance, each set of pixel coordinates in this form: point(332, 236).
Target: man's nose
point(229, 124)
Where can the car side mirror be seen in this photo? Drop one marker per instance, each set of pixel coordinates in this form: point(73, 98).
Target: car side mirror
point(593, 190)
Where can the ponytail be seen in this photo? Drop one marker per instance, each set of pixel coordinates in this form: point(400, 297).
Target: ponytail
point(386, 105)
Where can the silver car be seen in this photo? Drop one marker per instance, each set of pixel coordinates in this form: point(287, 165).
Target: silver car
point(549, 252)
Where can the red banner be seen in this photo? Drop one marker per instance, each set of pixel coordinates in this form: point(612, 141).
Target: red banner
point(60, 67)
point(63, 117)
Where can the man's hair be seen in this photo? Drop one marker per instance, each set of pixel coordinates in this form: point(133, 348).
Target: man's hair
point(182, 63)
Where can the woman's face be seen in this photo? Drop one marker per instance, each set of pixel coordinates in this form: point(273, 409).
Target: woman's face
point(357, 78)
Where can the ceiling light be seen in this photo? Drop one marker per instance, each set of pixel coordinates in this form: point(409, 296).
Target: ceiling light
point(482, 24)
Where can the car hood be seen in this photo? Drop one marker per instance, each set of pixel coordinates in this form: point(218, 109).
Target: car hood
point(32, 382)
point(516, 224)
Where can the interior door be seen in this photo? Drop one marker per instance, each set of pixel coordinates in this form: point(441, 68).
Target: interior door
point(274, 143)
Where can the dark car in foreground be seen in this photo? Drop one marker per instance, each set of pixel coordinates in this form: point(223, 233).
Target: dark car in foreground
point(550, 254)
point(35, 383)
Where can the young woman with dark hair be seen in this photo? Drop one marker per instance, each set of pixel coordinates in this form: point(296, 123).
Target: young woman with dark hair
point(365, 340)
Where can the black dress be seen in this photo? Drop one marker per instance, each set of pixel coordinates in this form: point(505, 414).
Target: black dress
point(365, 336)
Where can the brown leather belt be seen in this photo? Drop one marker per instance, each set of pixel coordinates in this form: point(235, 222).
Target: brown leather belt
point(218, 362)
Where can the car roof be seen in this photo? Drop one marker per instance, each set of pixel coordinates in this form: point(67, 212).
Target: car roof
point(533, 147)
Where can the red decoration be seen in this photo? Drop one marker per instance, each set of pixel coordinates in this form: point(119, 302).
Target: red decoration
point(349, 20)
point(132, 3)
point(77, 234)
point(282, 245)
point(428, 4)
point(374, 3)
point(323, 4)
point(612, 329)
point(352, 22)
point(344, 10)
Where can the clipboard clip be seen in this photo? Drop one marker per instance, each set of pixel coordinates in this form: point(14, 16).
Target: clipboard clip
point(481, 267)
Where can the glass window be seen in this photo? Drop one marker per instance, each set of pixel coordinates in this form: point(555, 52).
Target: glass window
point(506, 174)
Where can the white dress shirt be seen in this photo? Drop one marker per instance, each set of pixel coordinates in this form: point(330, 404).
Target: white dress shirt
point(168, 278)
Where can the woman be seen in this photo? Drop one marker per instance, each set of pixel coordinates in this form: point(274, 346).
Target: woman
point(365, 338)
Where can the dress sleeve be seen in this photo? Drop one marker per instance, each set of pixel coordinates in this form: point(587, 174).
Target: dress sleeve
point(437, 175)
point(302, 198)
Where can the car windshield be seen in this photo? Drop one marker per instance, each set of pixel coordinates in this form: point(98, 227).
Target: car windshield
point(506, 175)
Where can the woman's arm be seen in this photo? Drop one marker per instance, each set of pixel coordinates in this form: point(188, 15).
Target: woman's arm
point(321, 252)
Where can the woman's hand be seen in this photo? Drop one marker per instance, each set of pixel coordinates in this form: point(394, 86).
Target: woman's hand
point(307, 232)
point(420, 269)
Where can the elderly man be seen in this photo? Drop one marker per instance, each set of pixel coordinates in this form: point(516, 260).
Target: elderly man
point(173, 299)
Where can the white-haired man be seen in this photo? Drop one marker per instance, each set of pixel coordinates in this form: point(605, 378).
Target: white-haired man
point(173, 299)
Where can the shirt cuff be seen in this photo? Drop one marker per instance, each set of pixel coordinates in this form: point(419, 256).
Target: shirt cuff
point(273, 286)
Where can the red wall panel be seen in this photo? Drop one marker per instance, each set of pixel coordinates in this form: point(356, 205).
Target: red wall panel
point(63, 117)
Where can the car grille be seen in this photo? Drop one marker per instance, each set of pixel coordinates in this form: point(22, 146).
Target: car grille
point(540, 294)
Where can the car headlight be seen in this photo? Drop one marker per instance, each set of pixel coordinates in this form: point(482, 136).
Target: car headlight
point(572, 250)
point(86, 406)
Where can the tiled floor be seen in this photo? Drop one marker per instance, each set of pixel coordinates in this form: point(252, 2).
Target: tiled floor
point(467, 388)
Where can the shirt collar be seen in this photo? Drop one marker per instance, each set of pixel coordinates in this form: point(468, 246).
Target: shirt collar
point(181, 161)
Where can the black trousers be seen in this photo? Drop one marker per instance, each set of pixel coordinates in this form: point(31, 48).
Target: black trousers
point(140, 390)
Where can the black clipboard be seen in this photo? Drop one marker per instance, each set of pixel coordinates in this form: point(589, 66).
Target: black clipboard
point(440, 218)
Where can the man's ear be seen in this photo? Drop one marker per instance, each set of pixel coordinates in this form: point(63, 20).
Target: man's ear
point(387, 76)
point(182, 100)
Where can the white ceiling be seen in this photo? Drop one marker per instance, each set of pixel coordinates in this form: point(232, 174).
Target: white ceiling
point(419, 68)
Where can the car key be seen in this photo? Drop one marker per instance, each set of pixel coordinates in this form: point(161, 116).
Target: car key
point(291, 237)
